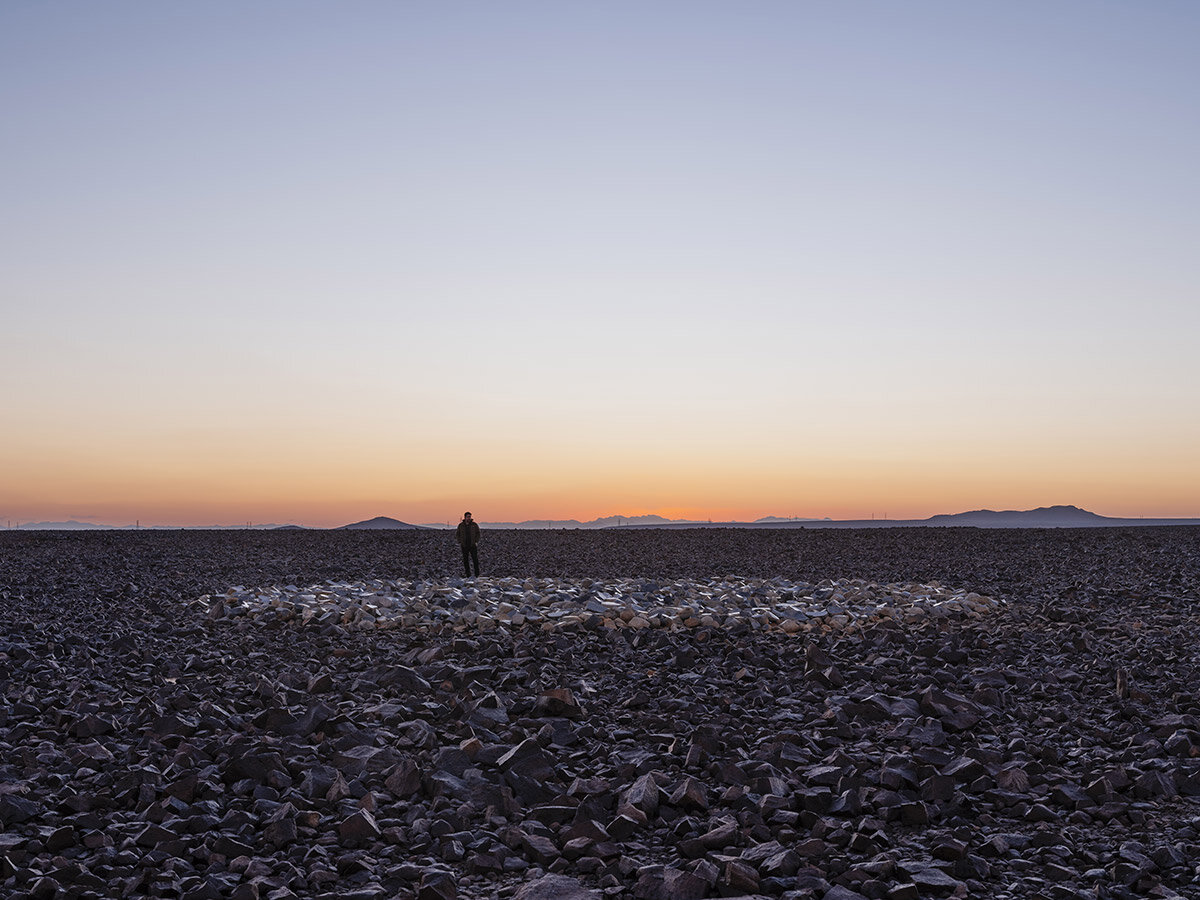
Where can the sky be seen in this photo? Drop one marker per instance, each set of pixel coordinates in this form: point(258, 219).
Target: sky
point(315, 262)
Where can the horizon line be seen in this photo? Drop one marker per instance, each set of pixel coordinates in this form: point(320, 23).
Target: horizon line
point(88, 522)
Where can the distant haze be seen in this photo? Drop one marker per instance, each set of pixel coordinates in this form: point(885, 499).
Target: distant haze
point(310, 262)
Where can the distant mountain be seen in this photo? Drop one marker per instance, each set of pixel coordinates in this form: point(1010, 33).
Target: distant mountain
point(609, 521)
point(71, 525)
point(1042, 517)
point(380, 523)
point(774, 519)
point(290, 528)
point(603, 522)
point(265, 526)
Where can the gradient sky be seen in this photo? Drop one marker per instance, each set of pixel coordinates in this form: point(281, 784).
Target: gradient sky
point(314, 262)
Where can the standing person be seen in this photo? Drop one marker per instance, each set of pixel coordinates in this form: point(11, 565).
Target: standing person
point(468, 539)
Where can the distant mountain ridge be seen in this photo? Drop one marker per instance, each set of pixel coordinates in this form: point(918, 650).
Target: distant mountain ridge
point(70, 525)
point(75, 525)
point(766, 519)
point(1042, 517)
point(381, 523)
point(1062, 516)
point(603, 522)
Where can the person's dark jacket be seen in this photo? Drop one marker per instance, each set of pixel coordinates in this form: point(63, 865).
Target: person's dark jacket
point(468, 533)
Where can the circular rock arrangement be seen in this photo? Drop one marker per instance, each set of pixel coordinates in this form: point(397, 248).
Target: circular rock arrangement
point(774, 604)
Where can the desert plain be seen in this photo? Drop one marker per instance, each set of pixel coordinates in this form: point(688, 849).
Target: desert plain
point(339, 714)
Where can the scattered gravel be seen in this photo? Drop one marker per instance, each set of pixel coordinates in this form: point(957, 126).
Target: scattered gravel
point(1009, 714)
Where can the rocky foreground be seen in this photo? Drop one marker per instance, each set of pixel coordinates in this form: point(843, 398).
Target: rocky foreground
point(1031, 731)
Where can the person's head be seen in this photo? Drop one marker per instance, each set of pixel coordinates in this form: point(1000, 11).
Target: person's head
point(466, 517)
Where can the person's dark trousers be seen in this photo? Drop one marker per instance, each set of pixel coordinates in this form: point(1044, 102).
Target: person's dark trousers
point(470, 554)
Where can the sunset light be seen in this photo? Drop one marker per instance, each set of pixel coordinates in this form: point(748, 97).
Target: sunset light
point(290, 263)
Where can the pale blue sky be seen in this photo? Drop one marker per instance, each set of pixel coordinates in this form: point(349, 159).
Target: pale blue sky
point(552, 226)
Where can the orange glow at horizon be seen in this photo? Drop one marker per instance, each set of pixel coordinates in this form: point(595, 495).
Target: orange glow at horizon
point(265, 484)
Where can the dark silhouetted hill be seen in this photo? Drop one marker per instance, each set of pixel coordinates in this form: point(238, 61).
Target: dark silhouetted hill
point(1042, 517)
point(381, 523)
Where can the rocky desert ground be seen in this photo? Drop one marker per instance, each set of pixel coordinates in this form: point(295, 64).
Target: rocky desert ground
point(901, 713)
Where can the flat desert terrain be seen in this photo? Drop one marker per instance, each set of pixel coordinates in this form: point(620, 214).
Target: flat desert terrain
point(834, 714)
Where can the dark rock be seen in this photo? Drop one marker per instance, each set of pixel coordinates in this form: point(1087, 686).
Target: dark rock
point(437, 884)
point(359, 828)
point(935, 881)
point(153, 835)
point(624, 825)
point(739, 877)
point(44, 889)
point(838, 892)
point(527, 759)
point(643, 794)
point(1154, 784)
point(15, 809)
point(404, 780)
point(555, 887)
point(669, 883)
point(402, 678)
point(321, 683)
point(62, 838)
point(539, 848)
point(230, 847)
point(720, 837)
point(691, 794)
point(253, 765)
point(680, 885)
point(557, 702)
